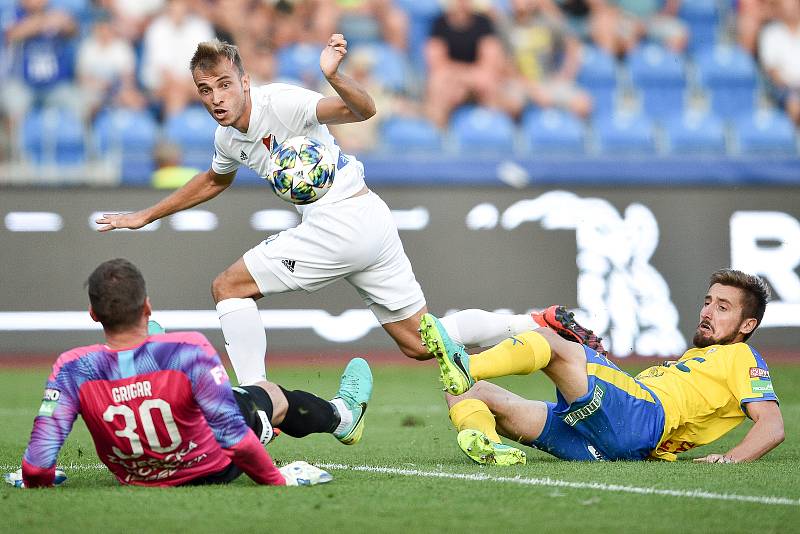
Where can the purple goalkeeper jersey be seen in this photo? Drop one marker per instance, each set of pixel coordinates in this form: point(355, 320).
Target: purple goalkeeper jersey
point(160, 413)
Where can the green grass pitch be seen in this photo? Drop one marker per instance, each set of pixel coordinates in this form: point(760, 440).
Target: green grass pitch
point(407, 475)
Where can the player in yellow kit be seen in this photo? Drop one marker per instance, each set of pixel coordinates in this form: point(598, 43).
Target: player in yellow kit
point(603, 413)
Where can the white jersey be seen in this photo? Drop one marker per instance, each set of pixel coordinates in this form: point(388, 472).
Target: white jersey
point(281, 111)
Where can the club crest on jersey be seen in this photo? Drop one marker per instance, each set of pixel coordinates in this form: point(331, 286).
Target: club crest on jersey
point(269, 142)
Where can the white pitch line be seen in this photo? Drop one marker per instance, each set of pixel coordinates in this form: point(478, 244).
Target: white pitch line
point(555, 483)
point(544, 482)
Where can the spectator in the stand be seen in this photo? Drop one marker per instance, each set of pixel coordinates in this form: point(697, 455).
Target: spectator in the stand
point(779, 48)
point(357, 138)
point(466, 61)
point(106, 68)
point(169, 43)
point(578, 15)
point(302, 21)
point(619, 25)
point(374, 17)
point(170, 173)
point(131, 18)
point(260, 61)
point(42, 71)
point(546, 59)
point(752, 15)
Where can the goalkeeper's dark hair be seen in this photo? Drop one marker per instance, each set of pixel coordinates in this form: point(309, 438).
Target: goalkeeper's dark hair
point(209, 53)
point(755, 289)
point(117, 294)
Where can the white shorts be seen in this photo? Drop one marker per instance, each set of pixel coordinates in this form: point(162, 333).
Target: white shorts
point(355, 239)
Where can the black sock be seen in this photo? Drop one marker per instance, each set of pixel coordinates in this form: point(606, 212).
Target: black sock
point(251, 401)
point(308, 414)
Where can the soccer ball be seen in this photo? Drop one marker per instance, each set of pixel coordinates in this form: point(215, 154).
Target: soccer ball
point(302, 170)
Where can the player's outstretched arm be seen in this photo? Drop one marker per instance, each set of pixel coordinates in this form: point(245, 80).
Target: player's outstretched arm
point(766, 434)
point(204, 186)
point(353, 104)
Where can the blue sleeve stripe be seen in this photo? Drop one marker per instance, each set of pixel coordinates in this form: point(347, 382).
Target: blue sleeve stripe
point(759, 359)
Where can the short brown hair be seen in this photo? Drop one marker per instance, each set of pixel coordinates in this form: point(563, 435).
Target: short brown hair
point(209, 53)
point(117, 293)
point(756, 292)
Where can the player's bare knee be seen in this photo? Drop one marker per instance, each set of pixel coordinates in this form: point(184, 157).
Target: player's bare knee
point(561, 349)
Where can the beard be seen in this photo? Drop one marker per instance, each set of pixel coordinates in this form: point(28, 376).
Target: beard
point(701, 340)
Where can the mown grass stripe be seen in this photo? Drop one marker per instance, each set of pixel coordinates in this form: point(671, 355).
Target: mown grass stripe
point(544, 482)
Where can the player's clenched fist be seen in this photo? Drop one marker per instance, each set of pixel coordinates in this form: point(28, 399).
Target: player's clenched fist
point(332, 55)
point(113, 221)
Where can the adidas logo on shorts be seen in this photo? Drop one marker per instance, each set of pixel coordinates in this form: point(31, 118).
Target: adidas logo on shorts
point(289, 264)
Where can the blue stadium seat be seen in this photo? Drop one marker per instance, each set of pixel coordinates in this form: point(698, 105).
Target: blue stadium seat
point(131, 135)
point(598, 75)
point(77, 8)
point(702, 17)
point(193, 129)
point(391, 67)
point(660, 76)
point(729, 74)
point(421, 14)
point(625, 134)
point(54, 136)
point(401, 135)
point(695, 133)
point(483, 130)
point(553, 131)
point(300, 62)
point(765, 132)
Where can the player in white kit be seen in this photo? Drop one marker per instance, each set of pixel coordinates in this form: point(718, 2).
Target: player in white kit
point(349, 233)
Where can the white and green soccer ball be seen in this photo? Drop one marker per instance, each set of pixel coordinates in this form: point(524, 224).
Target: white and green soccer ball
point(302, 170)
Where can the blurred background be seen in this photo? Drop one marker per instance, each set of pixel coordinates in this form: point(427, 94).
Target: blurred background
point(606, 154)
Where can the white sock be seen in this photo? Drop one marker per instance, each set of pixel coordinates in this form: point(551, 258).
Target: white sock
point(345, 416)
point(479, 328)
point(245, 339)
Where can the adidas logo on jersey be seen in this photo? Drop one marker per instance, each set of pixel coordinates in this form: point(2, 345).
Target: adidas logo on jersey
point(289, 264)
point(242, 156)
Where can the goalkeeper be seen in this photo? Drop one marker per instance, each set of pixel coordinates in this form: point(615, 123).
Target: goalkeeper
point(161, 410)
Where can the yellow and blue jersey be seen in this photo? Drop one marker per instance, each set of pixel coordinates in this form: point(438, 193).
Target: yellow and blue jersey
point(705, 394)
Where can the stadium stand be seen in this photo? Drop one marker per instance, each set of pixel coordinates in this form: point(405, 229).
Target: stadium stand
point(702, 17)
point(625, 134)
point(660, 77)
point(695, 133)
point(598, 75)
point(766, 132)
point(729, 76)
point(129, 135)
point(402, 135)
point(53, 136)
point(553, 131)
point(193, 129)
point(300, 62)
point(713, 101)
point(481, 130)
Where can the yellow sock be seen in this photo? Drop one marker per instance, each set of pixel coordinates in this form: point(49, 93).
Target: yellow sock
point(518, 355)
point(475, 415)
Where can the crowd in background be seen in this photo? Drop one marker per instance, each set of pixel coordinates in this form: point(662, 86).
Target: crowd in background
point(506, 55)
